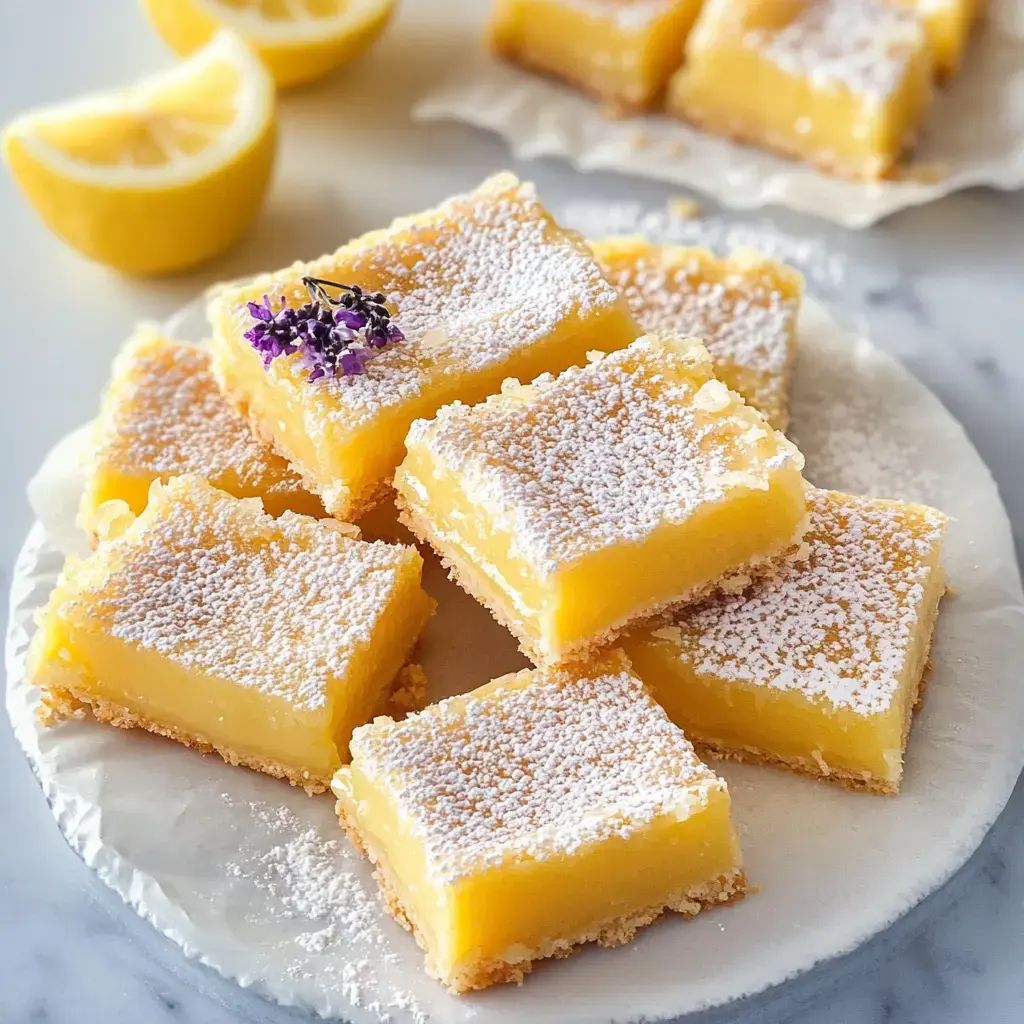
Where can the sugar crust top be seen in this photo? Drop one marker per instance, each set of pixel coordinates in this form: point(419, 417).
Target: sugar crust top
point(606, 453)
point(215, 584)
point(836, 627)
point(538, 768)
point(745, 312)
point(165, 416)
point(484, 275)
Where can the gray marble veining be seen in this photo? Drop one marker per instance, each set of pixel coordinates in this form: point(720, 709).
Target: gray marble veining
point(939, 287)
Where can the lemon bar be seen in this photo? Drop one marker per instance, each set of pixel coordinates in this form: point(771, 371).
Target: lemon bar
point(621, 51)
point(206, 620)
point(484, 287)
point(578, 504)
point(948, 25)
point(843, 84)
point(819, 668)
point(743, 307)
point(547, 809)
point(163, 416)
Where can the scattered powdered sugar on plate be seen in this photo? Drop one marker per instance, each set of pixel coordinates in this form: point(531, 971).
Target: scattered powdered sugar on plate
point(846, 435)
point(597, 220)
point(316, 884)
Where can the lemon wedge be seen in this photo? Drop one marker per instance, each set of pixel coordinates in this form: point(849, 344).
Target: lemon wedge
point(299, 40)
point(158, 176)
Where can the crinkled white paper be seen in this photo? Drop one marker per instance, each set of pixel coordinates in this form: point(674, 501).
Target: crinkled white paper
point(974, 134)
point(255, 878)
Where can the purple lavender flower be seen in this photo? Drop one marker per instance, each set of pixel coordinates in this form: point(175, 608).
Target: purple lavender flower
point(336, 336)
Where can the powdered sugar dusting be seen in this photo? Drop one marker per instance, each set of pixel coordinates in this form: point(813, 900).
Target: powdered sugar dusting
point(604, 454)
point(838, 626)
point(745, 313)
point(485, 276)
point(534, 770)
point(628, 15)
point(864, 46)
point(214, 583)
point(165, 416)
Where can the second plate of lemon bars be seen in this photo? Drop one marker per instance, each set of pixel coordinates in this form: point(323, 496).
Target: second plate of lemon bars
point(684, 667)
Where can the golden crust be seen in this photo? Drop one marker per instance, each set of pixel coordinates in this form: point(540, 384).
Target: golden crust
point(725, 889)
point(61, 702)
point(408, 694)
point(462, 574)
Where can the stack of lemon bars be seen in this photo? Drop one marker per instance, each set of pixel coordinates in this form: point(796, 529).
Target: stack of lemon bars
point(589, 437)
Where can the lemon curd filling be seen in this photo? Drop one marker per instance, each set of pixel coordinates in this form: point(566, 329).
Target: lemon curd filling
point(163, 416)
point(621, 51)
point(495, 854)
point(485, 286)
point(819, 668)
point(206, 620)
point(743, 307)
point(843, 84)
point(577, 504)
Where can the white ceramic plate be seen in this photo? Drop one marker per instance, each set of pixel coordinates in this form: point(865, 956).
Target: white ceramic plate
point(255, 879)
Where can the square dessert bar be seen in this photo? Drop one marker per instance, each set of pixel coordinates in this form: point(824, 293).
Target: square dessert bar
point(743, 307)
point(162, 416)
point(819, 668)
point(948, 25)
point(843, 84)
point(544, 810)
point(581, 503)
point(208, 621)
point(621, 51)
point(485, 286)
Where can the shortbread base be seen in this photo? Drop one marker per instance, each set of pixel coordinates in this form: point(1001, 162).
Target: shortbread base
point(462, 572)
point(480, 974)
point(408, 694)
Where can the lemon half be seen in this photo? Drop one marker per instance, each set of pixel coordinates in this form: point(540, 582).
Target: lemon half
point(158, 176)
point(298, 40)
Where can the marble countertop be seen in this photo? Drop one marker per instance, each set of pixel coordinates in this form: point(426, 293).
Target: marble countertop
point(939, 287)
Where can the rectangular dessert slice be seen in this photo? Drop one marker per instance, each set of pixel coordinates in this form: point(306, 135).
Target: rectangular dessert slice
point(162, 416)
point(578, 504)
point(621, 51)
point(484, 287)
point(544, 810)
point(948, 25)
point(743, 307)
point(843, 84)
point(206, 620)
point(819, 668)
